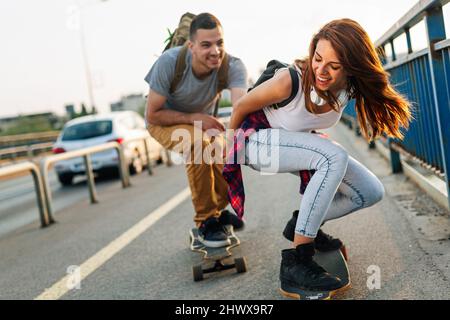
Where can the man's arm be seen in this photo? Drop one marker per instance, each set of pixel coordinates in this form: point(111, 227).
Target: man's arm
point(236, 94)
point(158, 115)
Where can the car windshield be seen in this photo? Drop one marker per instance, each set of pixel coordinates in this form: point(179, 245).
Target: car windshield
point(87, 130)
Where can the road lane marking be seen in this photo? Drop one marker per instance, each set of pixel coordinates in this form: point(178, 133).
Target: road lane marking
point(101, 257)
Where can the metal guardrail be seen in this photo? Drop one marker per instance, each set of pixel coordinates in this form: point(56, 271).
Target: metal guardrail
point(11, 172)
point(424, 78)
point(25, 151)
point(85, 153)
point(27, 139)
point(147, 152)
point(40, 174)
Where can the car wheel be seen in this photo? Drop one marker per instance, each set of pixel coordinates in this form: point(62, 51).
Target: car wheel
point(65, 179)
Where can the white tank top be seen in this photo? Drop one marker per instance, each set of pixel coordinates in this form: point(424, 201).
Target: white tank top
point(295, 116)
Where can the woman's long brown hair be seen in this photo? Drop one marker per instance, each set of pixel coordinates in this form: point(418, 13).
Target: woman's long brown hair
point(379, 107)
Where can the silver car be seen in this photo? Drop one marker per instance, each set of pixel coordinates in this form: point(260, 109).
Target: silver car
point(92, 130)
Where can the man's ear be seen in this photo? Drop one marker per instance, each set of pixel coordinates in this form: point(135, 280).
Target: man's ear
point(190, 44)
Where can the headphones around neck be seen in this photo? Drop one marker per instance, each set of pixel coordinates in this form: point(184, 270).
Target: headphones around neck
point(319, 101)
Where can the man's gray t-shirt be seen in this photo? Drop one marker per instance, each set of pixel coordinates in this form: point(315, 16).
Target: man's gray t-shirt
point(192, 95)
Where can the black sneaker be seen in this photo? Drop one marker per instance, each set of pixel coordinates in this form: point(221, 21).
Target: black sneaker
point(228, 218)
point(299, 271)
point(323, 241)
point(213, 234)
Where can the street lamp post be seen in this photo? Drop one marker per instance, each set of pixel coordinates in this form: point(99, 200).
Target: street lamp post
point(87, 68)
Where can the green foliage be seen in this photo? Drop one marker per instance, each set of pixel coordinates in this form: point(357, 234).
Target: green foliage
point(83, 110)
point(169, 38)
point(223, 103)
point(29, 125)
point(141, 109)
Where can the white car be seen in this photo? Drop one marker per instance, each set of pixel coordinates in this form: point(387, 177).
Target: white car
point(92, 130)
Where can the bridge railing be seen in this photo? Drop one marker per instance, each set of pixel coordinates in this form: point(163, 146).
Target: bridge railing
point(17, 170)
point(27, 139)
point(424, 78)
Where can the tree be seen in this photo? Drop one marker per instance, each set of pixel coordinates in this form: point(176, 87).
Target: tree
point(83, 110)
point(224, 103)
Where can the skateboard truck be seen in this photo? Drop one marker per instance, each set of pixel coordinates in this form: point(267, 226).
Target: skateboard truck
point(239, 263)
point(216, 255)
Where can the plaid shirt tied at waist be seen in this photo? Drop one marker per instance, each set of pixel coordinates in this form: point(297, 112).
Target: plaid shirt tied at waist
point(232, 170)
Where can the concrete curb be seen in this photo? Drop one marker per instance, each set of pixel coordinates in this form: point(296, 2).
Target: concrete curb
point(431, 184)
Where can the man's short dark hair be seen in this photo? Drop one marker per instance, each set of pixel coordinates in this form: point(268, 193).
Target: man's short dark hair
point(203, 21)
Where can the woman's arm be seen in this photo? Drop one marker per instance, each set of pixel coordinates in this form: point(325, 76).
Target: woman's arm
point(272, 91)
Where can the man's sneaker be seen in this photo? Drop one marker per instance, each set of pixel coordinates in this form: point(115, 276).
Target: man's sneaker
point(323, 241)
point(228, 218)
point(213, 234)
point(299, 272)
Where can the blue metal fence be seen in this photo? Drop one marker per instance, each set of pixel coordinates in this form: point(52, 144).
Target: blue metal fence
point(424, 78)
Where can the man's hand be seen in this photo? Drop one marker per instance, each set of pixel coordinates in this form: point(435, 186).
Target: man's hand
point(208, 122)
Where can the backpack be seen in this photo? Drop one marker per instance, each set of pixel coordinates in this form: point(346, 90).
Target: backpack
point(272, 67)
point(179, 38)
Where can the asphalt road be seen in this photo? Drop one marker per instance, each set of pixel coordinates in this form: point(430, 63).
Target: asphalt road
point(133, 244)
point(18, 204)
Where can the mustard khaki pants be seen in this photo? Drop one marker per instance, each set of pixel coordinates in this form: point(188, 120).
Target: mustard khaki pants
point(208, 187)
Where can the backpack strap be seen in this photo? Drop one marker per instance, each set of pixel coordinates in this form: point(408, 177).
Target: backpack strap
point(179, 69)
point(294, 91)
point(223, 74)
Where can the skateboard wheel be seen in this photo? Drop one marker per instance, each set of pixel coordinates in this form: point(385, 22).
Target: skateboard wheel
point(241, 265)
point(198, 273)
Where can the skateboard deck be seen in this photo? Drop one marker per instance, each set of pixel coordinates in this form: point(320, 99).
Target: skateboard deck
point(335, 263)
point(215, 259)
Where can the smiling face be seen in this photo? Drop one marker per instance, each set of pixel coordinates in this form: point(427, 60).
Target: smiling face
point(329, 74)
point(207, 49)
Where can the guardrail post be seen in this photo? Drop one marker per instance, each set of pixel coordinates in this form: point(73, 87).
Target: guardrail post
point(396, 163)
point(40, 196)
point(123, 168)
point(30, 167)
point(47, 190)
point(408, 40)
point(434, 21)
point(90, 178)
point(169, 162)
point(149, 160)
point(394, 55)
point(30, 152)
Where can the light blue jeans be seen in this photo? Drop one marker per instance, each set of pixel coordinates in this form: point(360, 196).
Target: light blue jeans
point(340, 186)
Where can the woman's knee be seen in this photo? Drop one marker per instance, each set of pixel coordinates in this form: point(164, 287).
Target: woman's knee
point(378, 191)
point(375, 192)
point(336, 158)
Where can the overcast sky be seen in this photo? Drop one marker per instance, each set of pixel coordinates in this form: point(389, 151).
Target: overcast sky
point(41, 64)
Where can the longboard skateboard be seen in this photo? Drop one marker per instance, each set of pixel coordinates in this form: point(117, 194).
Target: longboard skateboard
point(335, 263)
point(214, 259)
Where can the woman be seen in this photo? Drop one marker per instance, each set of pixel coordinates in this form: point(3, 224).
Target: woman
point(342, 64)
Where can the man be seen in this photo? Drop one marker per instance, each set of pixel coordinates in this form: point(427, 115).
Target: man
point(171, 110)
